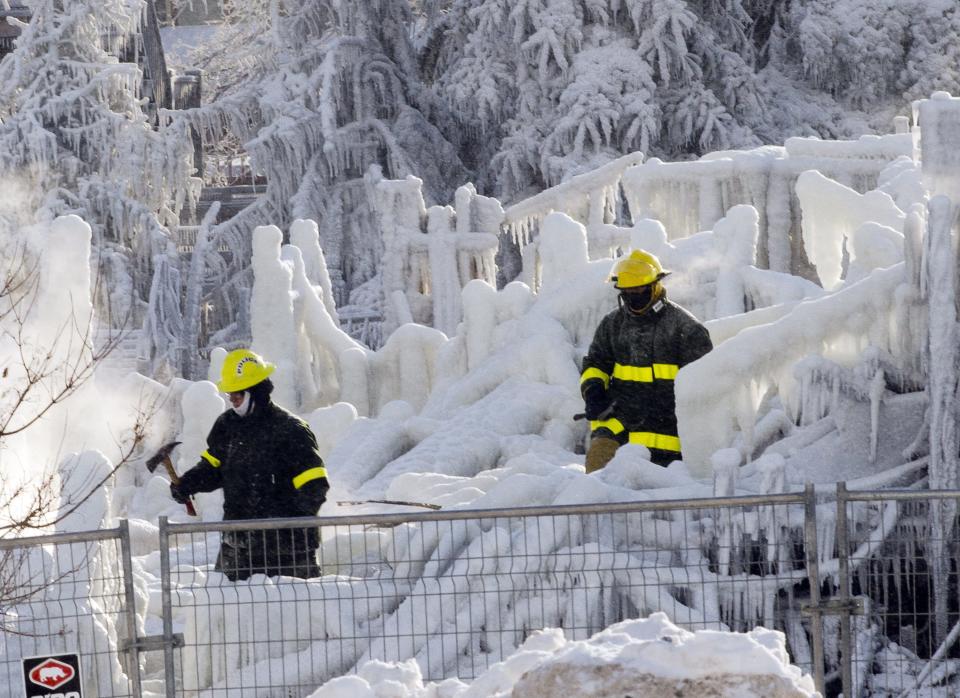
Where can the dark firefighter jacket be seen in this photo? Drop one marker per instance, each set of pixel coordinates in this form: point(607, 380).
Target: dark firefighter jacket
point(268, 466)
point(636, 358)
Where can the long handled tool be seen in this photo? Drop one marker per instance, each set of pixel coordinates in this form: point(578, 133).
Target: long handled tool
point(356, 502)
point(163, 456)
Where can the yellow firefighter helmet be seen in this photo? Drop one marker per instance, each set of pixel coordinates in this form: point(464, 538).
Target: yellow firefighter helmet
point(243, 369)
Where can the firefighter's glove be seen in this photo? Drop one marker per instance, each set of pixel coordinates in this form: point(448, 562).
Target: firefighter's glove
point(596, 403)
point(178, 494)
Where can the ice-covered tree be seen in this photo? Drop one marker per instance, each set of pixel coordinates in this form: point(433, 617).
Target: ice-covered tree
point(552, 87)
point(934, 57)
point(853, 50)
point(318, 93)
point(78, 127)
point(545, 88)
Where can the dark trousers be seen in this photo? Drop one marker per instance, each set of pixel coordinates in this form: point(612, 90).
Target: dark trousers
point(290, 552)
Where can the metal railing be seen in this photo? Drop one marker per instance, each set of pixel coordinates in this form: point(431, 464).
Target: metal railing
point(863, 585)
point(364, 325)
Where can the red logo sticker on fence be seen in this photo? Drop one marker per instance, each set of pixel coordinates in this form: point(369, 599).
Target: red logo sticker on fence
point(59, 673)
point(51, 674)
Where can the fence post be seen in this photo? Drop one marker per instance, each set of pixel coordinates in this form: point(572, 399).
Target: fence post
point(843, 555)
point(813, 574)
point(165, 596)
point(130, 599)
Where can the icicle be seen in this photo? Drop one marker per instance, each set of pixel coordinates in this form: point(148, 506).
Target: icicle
point(877, 388)
point(940, 271)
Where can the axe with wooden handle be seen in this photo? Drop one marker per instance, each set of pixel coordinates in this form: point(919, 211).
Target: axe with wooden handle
point(163, 456)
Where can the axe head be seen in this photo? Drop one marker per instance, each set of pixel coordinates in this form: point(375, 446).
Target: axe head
point(161, 455)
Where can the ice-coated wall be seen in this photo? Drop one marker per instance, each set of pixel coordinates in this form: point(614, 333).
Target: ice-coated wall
point(271, 313)
point(834, 214)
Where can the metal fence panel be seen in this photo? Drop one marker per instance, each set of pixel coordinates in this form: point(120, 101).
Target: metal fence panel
point(63, 594)
point(864, 588)
point(903, 556)
point(461, 590)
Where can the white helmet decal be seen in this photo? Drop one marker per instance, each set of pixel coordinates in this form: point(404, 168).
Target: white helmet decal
point(244, 360)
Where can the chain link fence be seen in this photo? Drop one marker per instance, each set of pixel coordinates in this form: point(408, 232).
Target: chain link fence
point(69, 593)
point(862, 584)
point(897, 579)
point(459, 591)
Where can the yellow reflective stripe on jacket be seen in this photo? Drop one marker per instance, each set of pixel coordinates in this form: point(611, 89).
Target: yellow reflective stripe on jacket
point(308, 475)
point(645, 374)
point(640, 374)
point(664, 442)
point(614, 425)
point(665, 371)
point(211, 459)
point(591, 373)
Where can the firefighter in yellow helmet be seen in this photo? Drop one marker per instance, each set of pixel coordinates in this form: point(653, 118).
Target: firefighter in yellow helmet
point(628, 373)
point(267, 462)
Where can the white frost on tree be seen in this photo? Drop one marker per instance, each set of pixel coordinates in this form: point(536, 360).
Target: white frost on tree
point(320, 94)
point(76, 125)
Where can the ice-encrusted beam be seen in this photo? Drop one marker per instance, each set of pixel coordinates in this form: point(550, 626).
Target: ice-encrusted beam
point(585, 194)
point(719, 394)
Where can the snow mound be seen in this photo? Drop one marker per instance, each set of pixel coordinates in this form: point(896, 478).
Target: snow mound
point(637, 658)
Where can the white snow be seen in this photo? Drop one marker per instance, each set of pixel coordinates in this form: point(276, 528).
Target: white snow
point(646, 656)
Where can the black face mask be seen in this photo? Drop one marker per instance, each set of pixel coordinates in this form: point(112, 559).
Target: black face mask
point(639, 300)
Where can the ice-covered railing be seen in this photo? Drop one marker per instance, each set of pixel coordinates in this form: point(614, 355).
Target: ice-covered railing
point(459, 590)
point(422, 274)
point(622, 560)
point(592, 197)
point(713, 273)
point(691, 196)
point(430, 254)
point(320, 365)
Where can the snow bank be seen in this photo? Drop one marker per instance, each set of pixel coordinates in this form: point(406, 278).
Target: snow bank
point(644, 657)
